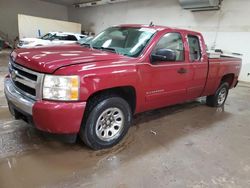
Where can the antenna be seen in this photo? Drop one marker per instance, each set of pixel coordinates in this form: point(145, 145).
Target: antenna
point(151, 24)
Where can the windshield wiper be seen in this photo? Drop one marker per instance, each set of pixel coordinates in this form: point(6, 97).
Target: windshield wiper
point(86, 44)
point(106, 48)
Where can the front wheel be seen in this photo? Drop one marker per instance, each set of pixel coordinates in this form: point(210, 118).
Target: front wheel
point(219, 98)
point(107, 122)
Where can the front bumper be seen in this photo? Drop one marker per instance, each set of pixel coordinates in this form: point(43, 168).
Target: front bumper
point(16, 98)
point(58, 117)
point(48, 116)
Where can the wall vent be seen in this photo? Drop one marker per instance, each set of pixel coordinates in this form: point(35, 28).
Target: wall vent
point(200, 5)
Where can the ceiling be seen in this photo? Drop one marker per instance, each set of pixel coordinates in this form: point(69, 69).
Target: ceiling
point(68, 2)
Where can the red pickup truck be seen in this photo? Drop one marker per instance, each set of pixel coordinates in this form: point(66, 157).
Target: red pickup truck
point(93, 90)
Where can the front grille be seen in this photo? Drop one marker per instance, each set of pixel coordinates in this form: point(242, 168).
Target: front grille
point(28, 75)
point(25, 88)
point(25, 80)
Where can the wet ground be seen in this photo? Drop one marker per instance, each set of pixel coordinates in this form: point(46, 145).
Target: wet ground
point(188, 145)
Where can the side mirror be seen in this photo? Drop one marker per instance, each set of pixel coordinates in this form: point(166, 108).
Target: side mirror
point(163, 55)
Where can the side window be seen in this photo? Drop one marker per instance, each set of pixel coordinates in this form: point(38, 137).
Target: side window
point(171, 41)
point(59, 37)
point(194, 48)
point(71, 38)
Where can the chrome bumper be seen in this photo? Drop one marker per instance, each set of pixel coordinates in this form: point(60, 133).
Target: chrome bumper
point(16, 98)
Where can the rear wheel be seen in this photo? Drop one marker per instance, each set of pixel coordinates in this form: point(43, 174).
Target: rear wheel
point(107, 121)
point(219, 98)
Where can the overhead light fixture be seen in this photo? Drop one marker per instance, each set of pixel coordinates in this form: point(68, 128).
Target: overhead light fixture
point(97, 3)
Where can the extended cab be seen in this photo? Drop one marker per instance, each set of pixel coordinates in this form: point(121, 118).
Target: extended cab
point(93, 90)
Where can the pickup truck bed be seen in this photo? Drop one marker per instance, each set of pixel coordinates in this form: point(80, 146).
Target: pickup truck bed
point(218, 67)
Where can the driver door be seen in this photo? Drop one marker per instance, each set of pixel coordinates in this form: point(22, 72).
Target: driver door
point(166, 80)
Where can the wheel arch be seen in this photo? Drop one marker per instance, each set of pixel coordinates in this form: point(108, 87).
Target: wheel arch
point(128, 93)
point(229, 78)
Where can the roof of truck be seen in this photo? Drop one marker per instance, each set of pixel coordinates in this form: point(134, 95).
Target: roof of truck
point(156, 27)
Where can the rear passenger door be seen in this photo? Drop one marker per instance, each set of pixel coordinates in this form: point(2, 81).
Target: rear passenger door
point(198, 66)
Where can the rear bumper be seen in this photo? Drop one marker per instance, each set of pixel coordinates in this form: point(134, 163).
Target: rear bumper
point(48, 116)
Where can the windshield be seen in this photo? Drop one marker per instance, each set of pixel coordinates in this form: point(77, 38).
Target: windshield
point(47, 36)
point(85, 40)
point(59, 36)
point(127, 41)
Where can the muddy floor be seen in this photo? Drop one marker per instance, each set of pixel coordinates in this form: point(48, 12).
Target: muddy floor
point(187, 145)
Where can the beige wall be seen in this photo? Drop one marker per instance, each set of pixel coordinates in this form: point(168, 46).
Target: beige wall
point(227, 29)
point(9, 9)
point(29, 26)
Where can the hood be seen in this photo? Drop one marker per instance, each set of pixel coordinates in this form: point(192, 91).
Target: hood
point(49, 59)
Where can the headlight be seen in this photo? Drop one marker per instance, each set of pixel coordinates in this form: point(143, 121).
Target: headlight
point(63, 88)
point(27, 42)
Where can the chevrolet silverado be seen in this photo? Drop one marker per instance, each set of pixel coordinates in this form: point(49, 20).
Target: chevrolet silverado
point(93, 90)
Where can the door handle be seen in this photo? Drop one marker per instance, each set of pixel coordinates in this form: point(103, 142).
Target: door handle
point(182, 71)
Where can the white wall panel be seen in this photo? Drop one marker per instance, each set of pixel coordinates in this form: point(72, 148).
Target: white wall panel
point(29, 26)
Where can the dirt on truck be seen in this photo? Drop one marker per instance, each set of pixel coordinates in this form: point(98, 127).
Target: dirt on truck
point(94, 90)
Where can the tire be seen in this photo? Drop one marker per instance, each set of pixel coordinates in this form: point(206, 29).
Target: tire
point(220, 96)
point(99, 129)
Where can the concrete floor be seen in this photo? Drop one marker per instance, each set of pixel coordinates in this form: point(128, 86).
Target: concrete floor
point(188, 145)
